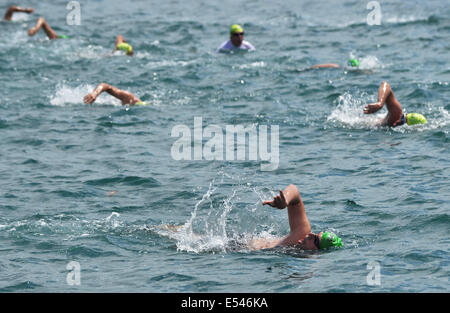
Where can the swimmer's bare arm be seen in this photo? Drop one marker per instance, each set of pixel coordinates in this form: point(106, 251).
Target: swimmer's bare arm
point(386, 95)
point(119, 40)
point(42, 23)
point(328, 65)
point(125, 96)
point(13, 8)
point(383, 93)
point(298, 221)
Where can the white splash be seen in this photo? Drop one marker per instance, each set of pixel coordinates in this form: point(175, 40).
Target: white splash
point(349, 112)
point(251, 65)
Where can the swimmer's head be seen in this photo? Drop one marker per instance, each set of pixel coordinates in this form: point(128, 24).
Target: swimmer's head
point(125, 47)
point(415, 118)
point(236, 35)
point(329, 240)
point(353, 62)
point(323, 240)
point(63, 37)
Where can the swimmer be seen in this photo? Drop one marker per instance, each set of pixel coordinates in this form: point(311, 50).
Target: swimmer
point(395, 116)
point(121, 44)
point(352, 62)
point(124, 96)
point(300, 234)
point(42, 23)
point(236, 40)
point(13, 8)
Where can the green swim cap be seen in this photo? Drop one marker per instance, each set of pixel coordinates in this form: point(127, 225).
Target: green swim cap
point(415, 118)
point(330, 240)
point(353, 62)
point(141, 103)
point(63, 37)
point(235, 28)
point(125, 47)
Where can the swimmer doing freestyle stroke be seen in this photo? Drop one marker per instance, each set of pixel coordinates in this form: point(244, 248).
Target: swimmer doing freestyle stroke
point(300, 234)
point(12, 9)
point(395, 115)
point(42, 23)
point(125, 96)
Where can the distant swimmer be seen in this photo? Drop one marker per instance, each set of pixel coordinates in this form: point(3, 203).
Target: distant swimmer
point(395, 116)
point(13, 8)
point(300, 230)
point(124, 96)
point(121, 44)
point(236, 40)
point(352, 62)
point(42, 23)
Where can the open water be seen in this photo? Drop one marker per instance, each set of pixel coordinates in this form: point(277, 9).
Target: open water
point(98, 184)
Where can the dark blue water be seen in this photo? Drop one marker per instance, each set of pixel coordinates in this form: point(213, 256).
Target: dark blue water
point(98, 185)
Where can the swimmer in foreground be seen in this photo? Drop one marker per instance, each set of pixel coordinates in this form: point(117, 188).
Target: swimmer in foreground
point(13, 8)
point(121, 44)
point(236, 41)
point(352, 62)
point(395, 116)
point(42, 23)
point(300, 234)
point(124, 96)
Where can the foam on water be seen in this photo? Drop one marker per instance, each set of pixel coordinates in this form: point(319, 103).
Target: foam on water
point(349, 112)
point(91, 52)
point(370, 62)
point(251, 65)
point(209, 231)
point(169, 63)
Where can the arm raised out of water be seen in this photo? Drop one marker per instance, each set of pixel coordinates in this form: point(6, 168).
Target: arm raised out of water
point(298, 221)
point(122, 44)
point(124, 96)
point(13, 8)
point(386, 95)
point(42, 23)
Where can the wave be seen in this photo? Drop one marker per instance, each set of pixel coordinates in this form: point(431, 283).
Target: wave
point(65, 227)
point(398, 20)
point(432, 19)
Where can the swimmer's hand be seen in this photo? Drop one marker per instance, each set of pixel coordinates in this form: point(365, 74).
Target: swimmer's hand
point(372, 108)
point(89, 98)
point(278, 202)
